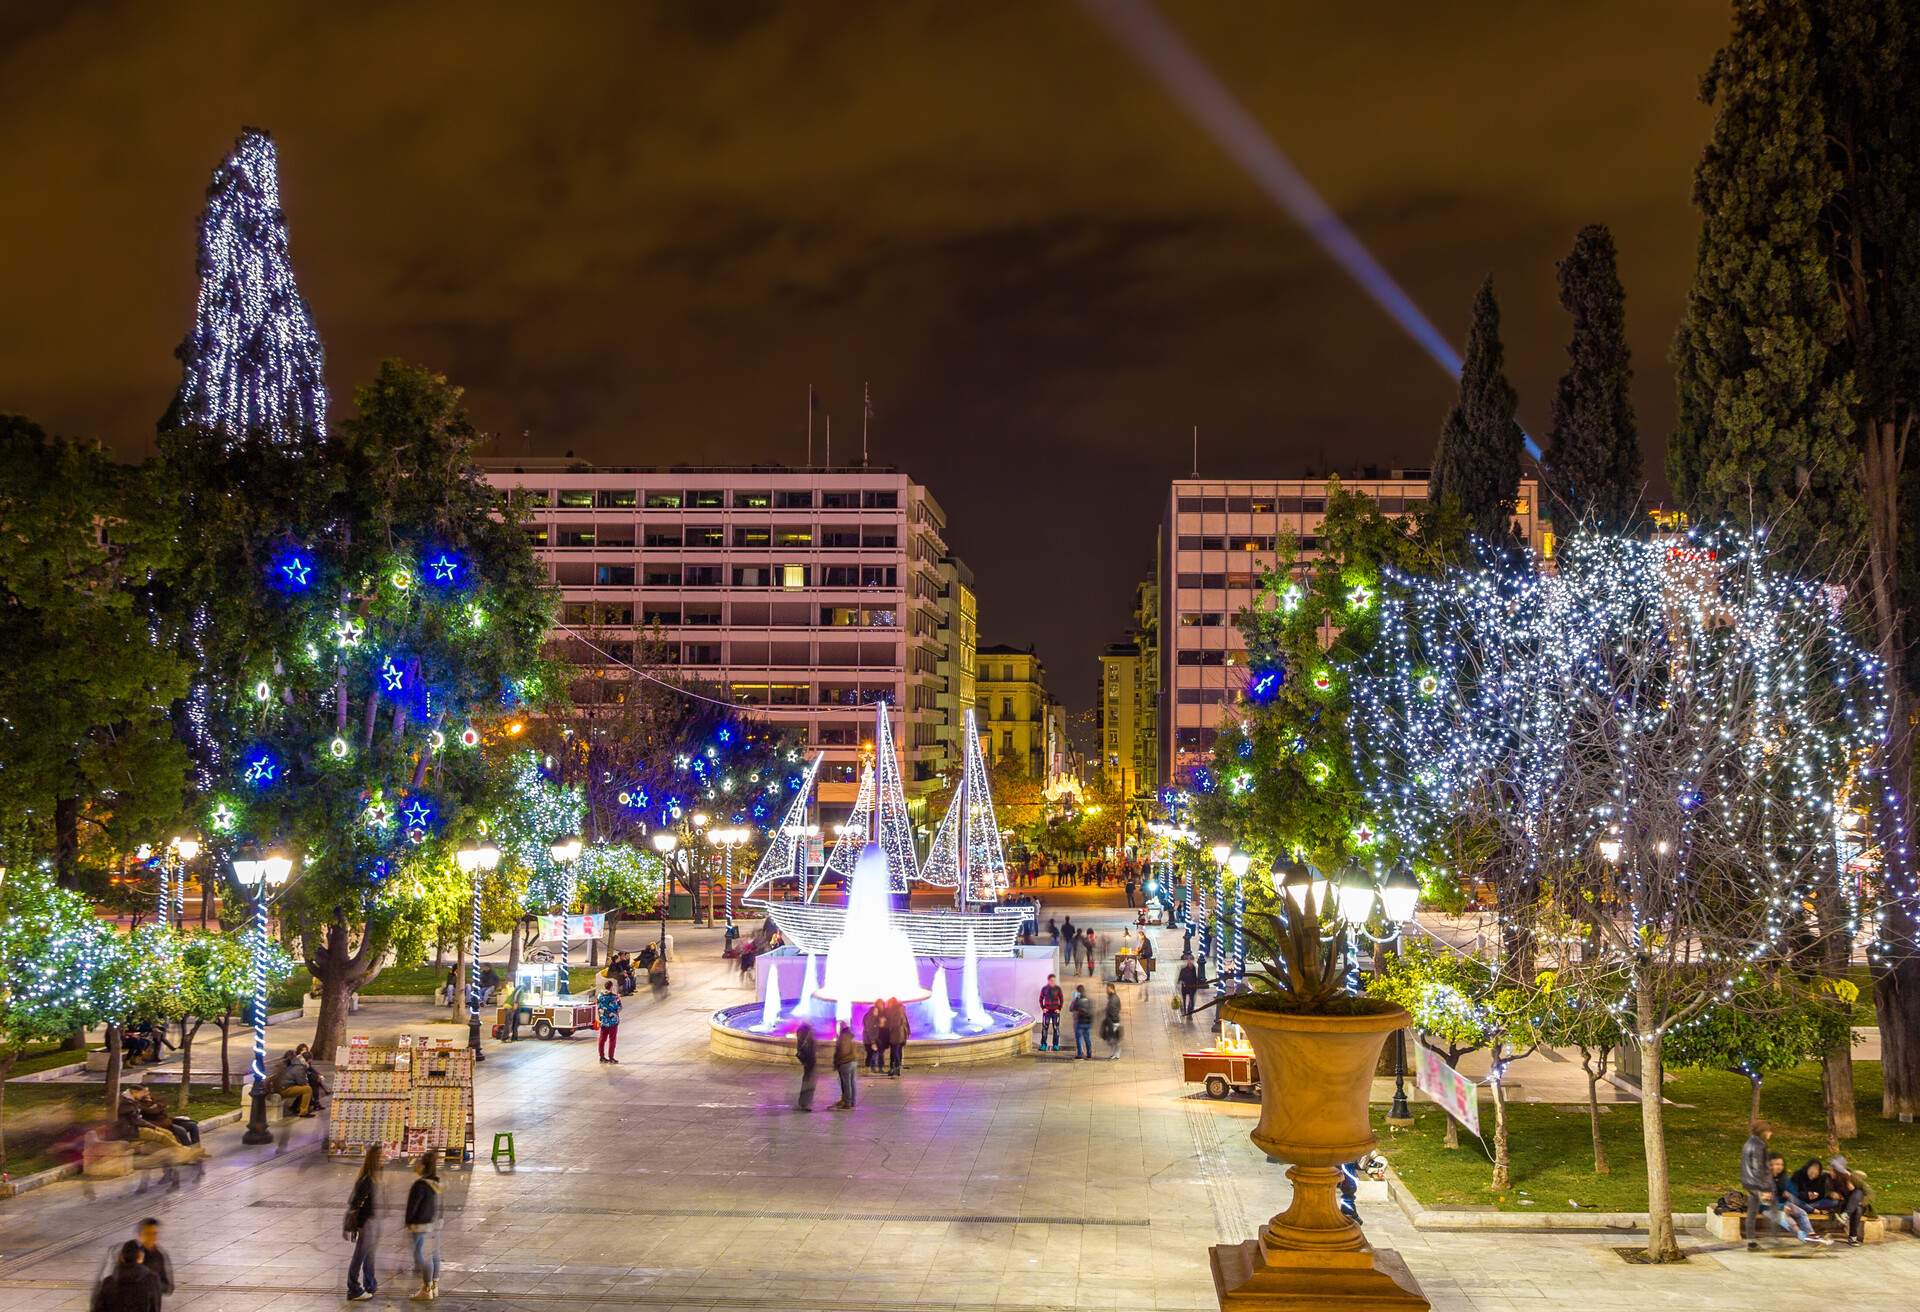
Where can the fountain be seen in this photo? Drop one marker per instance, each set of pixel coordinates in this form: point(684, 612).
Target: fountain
point(770, 1007)
point(970, 1004)
point(809, 985)
point(939, 1007)
point(871, 960)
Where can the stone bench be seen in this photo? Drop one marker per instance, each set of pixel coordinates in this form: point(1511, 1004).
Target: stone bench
point(1732, 1226)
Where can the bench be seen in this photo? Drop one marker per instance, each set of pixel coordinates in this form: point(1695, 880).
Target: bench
point(1732, 1226)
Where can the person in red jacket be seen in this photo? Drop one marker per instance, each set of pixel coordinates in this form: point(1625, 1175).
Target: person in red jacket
point(1052, 999)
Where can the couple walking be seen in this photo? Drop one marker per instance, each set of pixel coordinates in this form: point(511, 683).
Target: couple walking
point(846, 1052)
point(884, 1034)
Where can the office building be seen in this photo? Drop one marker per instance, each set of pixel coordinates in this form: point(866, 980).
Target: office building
point(802, 594)
point(1217, 540)
point(1018, 720)
point(1117, 718)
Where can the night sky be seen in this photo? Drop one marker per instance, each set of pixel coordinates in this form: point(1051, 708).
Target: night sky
point(638, 232)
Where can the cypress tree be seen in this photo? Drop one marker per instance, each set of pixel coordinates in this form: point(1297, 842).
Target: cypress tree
point(1763, 401)
point(1477, 462)
point(1593, 449)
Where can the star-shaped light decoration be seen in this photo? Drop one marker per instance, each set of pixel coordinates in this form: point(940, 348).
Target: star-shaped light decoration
point(1364, 834)
point(296, 571)
point(416, 814)
point(1290, 598)
point(1359, 596)
point(392, 675)
point(444, 568)
point(378, 814)
point(260, 770)
point(223, 818)
point(347, 633)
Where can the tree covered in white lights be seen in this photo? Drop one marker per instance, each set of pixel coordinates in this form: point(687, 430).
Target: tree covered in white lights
point(1667, 738)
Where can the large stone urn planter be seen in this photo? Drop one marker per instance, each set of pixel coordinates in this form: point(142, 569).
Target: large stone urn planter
point(1315, 1074)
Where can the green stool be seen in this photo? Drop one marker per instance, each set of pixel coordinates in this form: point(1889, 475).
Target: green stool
point(508, 1150)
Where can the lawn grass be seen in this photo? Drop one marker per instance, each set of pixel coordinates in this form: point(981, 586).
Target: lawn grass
point(44, 1057)
point(39, 1116)
point(1552, 1147)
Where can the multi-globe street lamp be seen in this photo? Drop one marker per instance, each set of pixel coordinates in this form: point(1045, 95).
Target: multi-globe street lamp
point(727, 838)
point(259, 877)
point(664, 841)
point(475, 863)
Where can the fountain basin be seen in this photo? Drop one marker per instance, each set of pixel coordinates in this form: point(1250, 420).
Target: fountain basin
point(733, 1032)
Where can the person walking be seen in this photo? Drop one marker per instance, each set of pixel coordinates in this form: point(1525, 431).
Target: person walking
point(1092, 948)
point(1053, 931)
point(1070, 937)
point(1110, 1023)
point(1051, 1001)
point(129, 1287)
point(1755, 1178)
point(803, 1053)
point(154, 1257)
point(873, 1034)
point(1130, 886)
point(1189, 982)
point(845, 1050)
point(1082, 1024)
point(898, 1032)
point(423, 1225)
point(1146, 954)
point(362, 1226)
point(609, 1015)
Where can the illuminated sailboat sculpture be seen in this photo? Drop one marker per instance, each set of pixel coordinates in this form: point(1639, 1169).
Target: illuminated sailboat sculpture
point(879, 826)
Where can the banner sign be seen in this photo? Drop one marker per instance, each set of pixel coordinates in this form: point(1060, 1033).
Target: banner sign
point(1454, 1092)
point(589, 926)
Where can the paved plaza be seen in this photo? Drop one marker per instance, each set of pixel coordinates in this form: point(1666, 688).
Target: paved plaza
point(676, 1181)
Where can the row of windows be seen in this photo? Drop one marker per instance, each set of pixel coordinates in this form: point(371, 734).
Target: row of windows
point(673, 574)
point(1237, 579)
point(708, 535)
point(1202, 696)
point(1392, 503)
point(582, 498)
point(714, 615)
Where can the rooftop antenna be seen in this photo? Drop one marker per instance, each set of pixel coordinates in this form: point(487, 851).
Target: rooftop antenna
point(866, 417)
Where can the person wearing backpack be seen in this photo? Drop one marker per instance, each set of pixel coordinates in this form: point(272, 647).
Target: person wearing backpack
point(1082, 1008)
point(1110, 1023)
point(423, 1225)
point(363, 1228)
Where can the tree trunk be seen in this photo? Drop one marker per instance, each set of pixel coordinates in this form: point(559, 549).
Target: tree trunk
point(113, 1070)
point(514, 937)
point(1502, 1160)
point(1837, 1092)
point(226, 1032)
point(439, 951)
point(186, 1064)
point(613, 930)
point(1595, 1073)
point(1661, 1244)
point(593, 953)
point(338, 972)
point(1896, 1005)
point(6, 1069)
point(460, 982)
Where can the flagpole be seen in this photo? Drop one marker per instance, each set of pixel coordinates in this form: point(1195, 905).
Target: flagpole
point(866, 414)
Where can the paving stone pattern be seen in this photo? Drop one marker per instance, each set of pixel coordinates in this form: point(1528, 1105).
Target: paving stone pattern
point(677, 1181)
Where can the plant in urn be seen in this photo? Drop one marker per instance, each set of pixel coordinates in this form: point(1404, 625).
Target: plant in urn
point(1318, 1046)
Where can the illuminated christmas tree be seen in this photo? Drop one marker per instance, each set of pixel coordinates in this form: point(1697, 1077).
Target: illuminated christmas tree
point(891, 827)
point(253, 361)
point(852, 838)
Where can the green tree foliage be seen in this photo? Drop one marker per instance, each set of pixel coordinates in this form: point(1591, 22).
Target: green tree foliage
point(84, 731)
point(59, 967)
point(1593, 445)
point(1477, 462)
point(217, 971)
point(1767, 1024)
point(1765, 399)
point(367, 610)
point(1282, 779)
point(1585, 1015)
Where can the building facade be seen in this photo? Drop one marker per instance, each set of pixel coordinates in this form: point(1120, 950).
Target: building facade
point(1117, 718)
point(961, 641)
point(1017, 717)
point(804, 595)
point(1217, 539)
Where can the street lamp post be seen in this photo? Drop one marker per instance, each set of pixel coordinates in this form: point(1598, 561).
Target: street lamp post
point(1237, 864)
point(565, 853)
point(258, 877)
point(1399, 896)
point(475, 863)
point(664, 841)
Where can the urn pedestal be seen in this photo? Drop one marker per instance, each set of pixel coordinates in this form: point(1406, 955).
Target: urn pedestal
point(1315, 1075)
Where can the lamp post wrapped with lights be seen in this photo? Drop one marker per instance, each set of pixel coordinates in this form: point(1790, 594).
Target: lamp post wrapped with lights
point(260, 878)
point(564, 854)
point(1238, 863)
point(475, 863)
point(183, 849)
point(728, 838)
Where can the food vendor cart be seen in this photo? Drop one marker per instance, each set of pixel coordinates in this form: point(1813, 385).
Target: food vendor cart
point(544, 1010)
point(1228, 1067)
